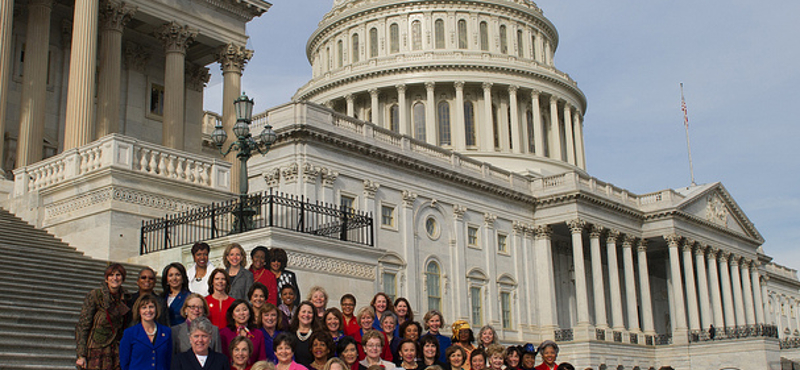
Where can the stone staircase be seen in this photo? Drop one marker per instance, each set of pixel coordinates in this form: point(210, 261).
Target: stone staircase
point(42, 287)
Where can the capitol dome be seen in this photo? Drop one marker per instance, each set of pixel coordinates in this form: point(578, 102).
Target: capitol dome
point(473, 76)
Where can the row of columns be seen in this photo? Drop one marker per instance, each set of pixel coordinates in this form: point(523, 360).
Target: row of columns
point(83, 122)
point(728, 289)
point(516, 141)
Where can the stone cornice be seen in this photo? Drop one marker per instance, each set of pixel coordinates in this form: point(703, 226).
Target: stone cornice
point(244, 10)
point(580, 196)
point(388, 157)
point(674, 213)
point(312, 88)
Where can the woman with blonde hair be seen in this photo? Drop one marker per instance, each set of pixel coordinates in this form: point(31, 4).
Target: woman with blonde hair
point(235, 261)
point(319, 298)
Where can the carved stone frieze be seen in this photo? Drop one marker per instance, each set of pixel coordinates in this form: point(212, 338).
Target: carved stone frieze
point(330, 265)
point(125, 195)
point(716, 211)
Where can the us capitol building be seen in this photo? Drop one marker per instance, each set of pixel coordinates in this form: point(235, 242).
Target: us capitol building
point(448, 121)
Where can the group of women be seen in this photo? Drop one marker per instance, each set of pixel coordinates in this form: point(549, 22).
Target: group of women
point(252, 318)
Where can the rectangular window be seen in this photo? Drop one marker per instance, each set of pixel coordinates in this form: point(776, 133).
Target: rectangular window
point(390, 284)
point(505, 309)
point(347, 202)
point(387, 216)
point(157, 99)
point(477, 309)
point(502, 245)
point(472, 236)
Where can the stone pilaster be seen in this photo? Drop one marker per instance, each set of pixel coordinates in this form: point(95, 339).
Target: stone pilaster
point(82, 74)
point(114, 15)
point(232, 59)
point(600, 319)
point(176, 40)
point(34, 83)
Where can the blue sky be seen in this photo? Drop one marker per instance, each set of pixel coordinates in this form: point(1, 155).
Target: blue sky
point(738, 61)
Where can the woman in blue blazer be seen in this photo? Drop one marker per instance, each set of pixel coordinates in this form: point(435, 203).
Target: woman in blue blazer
point(148, 344)
point(175, 289)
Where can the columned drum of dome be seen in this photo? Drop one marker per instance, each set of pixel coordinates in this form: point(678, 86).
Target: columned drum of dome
point(528, 120)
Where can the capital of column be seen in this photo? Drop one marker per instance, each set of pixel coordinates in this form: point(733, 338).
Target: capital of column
point(722, 256)
point(409, 198)
point(688, 244)
point(596, 232)
point(176, 38)
point(401, 88)
point(543, 231)
point(430, 85)
point(612, 237)
point(700, 250)
point(487, 86)
point(489, 220)
point(642, 245)
point(197, 76)
point(459, 85)
point(535, 93)
point(734, 260)
point(233, 58)
point(373, 92)
point(519, 227)
point(328, 177)
point(349, 98)
point(553, 99)
point(512, 89)
point(745, 262)
point(370, 188)
point(576, 226)
point(310, 172)
point(459, 211)
point(114, 15)
point(627, 241)
point(674, 240)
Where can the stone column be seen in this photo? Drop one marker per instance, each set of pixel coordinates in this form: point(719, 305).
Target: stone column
point(747, 291)
point(232, 59)
point(691, 292)
point(459, 136)
point(600, 319)
point(570, 137)
point(401, 102)
point(114, 15)
point(516, 137)
point(576, 228)
point(613, 281)
point(430, 114)
point(678, 308)
point(351, 109)
point(702, 287)
point(6, 27)
point(579, 152)
point(34, 83)
point(545, 281)
point(488, 124)
point(375, 116)
point(757, 298)
point(538, 130)
point(716, 296)
point(407, 235)
point(644, 288)
point(768, 317)
point(555, 132)
point(630, 284)
point(736, 285)
point(176, 39)
point(82, 69)
point(727, 293)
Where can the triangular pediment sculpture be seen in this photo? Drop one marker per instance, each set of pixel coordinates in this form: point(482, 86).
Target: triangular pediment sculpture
point(713, 204)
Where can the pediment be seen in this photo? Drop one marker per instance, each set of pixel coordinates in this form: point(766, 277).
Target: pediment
point(713, 204)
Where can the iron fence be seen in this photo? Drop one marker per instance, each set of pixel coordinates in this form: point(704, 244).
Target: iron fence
point(734, 332)
point(262, 210)
point(564, 335)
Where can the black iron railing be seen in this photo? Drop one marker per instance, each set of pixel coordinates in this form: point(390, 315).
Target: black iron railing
point(564, 335)
point(734, 332)
point(268, 210)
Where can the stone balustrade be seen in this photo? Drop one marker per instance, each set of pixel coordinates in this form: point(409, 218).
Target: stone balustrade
point(125, 153)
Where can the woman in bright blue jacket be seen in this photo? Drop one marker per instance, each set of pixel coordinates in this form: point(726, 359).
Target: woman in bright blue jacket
point(148, 344)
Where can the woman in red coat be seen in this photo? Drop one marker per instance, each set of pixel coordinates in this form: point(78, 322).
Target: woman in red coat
point(549, 351)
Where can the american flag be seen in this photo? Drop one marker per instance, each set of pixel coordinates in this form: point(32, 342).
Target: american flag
point(685, 111)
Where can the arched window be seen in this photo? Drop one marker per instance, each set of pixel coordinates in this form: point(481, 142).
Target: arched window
point(394, 118)
point(444, 123)
point(432, 283)
point(419, 121)
point(484, 36)
point(354, 48)
point(328, 59)
point(416, 35)
point(340, 53)
point(496, 127)
point(462, 34)
point(439, 33)
point(503, 40)
point(394, 38)
point(520, 48)
point(534, 49)
point(469, 124)
point(373, 42)
point(531, 137)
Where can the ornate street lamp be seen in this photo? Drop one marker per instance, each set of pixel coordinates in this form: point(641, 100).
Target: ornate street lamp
point(245, 145)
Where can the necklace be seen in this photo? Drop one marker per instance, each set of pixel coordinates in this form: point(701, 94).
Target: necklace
point(150, 334)
point(304, 337)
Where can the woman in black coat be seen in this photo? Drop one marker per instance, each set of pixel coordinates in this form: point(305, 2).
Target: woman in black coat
point(200, 336)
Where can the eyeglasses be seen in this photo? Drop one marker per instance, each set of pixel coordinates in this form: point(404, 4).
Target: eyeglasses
point(146, 277)
point(193, 307)
point(374, 345)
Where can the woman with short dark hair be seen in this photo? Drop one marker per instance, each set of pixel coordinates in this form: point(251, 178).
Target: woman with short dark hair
point(101, 323)
point(284, 346)
point(284, 277)
point(241, 323)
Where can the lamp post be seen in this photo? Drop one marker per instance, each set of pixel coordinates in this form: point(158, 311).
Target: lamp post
point(245, 145)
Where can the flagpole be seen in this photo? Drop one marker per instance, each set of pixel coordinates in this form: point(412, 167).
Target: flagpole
point(688, 144)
